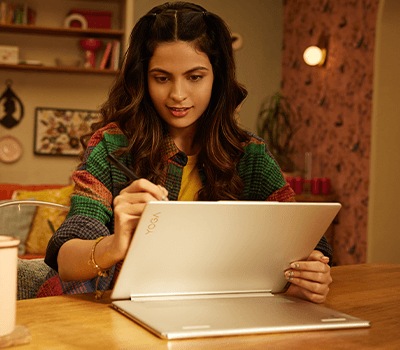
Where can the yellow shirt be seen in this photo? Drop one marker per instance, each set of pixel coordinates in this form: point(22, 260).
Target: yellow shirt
point(191, 182)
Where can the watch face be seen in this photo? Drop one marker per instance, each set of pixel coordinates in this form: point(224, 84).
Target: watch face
point(10, 149)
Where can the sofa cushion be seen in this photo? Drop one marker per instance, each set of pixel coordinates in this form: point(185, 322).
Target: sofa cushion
point(46, 220)
point(16, 221)
point(7, 190)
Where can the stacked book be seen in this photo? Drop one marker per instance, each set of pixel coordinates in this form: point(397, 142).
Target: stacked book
point(111, 55)
point(16, 13)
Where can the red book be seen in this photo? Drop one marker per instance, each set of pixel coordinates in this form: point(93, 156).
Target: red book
point(106, 56)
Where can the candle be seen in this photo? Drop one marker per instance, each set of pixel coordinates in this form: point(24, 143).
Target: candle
point(307, 165)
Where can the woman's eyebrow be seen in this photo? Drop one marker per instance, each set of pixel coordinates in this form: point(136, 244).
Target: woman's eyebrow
point(160, 70)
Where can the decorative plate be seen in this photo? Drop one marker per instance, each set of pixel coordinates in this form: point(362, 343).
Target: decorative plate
point(10, 149)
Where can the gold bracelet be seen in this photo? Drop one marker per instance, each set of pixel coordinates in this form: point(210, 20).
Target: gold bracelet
point(100, 271)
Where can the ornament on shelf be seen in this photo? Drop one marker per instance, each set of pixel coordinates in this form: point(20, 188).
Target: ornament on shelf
point(12, 107)
point(90, 46)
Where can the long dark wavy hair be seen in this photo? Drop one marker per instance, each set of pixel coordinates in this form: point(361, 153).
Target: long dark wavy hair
point(218, 132)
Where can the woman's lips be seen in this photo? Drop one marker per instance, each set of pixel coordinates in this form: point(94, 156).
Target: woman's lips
point(179, 111)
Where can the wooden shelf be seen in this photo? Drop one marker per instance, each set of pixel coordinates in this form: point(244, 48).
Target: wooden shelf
point(67, 32)
point(49, 33)
point(51, 69)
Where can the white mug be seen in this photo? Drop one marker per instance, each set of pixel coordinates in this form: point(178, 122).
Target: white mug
point(8, 283)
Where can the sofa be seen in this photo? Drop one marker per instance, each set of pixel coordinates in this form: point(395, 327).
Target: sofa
point(33, 225)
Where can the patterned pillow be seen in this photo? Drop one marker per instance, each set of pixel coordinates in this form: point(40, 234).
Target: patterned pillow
point(47, 219)
point(16, 221)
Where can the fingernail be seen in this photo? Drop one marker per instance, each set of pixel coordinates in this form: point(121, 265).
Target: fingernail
point(289, 275)
point(164, 197)
point(295, 265)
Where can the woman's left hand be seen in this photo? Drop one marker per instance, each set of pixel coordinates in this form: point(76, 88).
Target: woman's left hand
point(310, 279)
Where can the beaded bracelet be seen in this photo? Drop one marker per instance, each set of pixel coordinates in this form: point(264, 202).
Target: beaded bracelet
point(100, 271)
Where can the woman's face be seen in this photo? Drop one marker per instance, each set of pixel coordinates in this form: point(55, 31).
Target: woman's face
point(180, 81)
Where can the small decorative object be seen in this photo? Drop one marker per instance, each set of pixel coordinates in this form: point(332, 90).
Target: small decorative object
point(9, 54)
point(75, 20)
point(274, 124)
point(90, 46)
point(326, 185)
point(12, 106)
point(94, 19)
point(58, 131)
point(237, 41)
point(10, 149)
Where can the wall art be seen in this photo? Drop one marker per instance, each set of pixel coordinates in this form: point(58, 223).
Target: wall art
point(58, 131)
point(12, 106)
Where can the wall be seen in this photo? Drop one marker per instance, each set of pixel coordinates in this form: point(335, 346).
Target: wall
point(259, 68)
point(47, 90)
point(334, 105)
point(75, 91)
point(384, 206)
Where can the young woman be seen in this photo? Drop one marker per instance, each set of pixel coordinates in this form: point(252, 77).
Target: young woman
point(171, 118)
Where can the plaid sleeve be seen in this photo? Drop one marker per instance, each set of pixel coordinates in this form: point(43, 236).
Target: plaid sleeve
point(325, 248)
point(260, 173)
point(283, 194)
point(77, 226)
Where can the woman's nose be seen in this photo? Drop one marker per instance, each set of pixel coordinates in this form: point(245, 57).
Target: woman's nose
point(178, 92)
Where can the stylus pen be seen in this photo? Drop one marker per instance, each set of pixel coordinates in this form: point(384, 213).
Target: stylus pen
point(128, 172)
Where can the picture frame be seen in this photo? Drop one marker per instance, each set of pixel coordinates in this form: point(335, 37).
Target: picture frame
point(58, 130)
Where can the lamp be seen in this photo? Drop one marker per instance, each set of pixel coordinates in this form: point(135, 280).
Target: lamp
point(314, 55)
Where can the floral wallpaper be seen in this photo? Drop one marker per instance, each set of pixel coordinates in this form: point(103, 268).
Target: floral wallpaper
point(333, 105)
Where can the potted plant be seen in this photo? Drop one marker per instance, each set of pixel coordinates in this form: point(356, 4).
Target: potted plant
point(275, 125)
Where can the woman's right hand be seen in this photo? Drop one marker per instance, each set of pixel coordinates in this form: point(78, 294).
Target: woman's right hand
point(128, 207)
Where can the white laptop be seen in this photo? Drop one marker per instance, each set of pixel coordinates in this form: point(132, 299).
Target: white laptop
point(197, 269)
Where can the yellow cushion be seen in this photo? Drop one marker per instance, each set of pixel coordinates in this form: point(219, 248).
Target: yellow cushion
point(46, 219)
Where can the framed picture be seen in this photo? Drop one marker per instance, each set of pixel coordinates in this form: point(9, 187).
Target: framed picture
point(58, 131)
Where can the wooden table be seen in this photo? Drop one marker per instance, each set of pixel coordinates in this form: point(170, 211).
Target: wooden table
point(79, 322)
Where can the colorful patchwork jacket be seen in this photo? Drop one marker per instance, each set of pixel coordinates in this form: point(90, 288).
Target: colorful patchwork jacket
point(97, 183)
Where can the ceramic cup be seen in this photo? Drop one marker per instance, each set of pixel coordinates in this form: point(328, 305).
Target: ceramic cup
point(8, 284)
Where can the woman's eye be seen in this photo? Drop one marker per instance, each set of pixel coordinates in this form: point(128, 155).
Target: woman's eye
point(195, 77)
point(161, 79)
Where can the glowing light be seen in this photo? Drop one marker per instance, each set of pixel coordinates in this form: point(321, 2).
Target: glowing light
point(313, 56)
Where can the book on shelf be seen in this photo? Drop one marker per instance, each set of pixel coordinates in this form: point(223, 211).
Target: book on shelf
point(104, 63)
point(115, 55)
point(16, 13)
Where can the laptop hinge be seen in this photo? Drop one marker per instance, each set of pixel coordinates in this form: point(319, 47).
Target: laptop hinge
point(205, 295)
